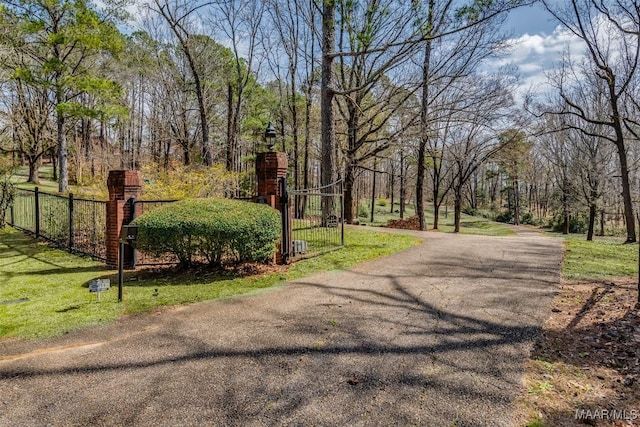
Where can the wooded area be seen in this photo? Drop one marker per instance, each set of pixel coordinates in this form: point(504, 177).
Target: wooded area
point(399, 98)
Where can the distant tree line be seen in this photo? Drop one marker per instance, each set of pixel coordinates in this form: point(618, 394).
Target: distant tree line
point(399, 98)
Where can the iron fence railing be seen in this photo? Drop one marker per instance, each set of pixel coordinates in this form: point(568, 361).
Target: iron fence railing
point(317, 225)
point(89, 227)
point(78, 225)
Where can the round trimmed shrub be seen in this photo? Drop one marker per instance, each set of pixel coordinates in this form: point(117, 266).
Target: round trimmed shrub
point(216, 230)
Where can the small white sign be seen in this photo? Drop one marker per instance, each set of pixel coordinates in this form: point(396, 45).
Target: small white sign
point(332, 221)
point(299, 246)
point(99, 285)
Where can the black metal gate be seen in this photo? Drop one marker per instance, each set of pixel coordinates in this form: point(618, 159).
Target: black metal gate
point(317, 219)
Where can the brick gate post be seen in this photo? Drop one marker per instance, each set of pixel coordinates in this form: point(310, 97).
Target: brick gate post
point(270, 167)
point(124, 187)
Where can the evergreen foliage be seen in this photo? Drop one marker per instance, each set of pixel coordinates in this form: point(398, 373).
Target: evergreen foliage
point(216, 230)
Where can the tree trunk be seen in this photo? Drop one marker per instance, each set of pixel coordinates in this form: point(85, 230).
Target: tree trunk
point(565, 213)
point(34, 169)
point(436, 212)
point(54, 163)
point(373, 188)
point(349, 181)
point(592, 220)
point(326, 103)
point(391, 184)
point(474, 191)
point(424, 117)
point(63, 179)
point(420, 183)
point(294, 134)
point(186, 155)
point(626, 194)
point(403, 190)
point(307, 137)
point(207, 156)
point(230, 143)
point(457, 208)
point(630, 222)
point(516, 203)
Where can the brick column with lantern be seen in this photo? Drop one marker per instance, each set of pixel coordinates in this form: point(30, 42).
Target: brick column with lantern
point(270, 168)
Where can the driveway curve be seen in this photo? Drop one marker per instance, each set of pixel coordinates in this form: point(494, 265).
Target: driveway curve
point(434, 336)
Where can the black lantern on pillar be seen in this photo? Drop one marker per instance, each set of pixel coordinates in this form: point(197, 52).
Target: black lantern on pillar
point(270, 135)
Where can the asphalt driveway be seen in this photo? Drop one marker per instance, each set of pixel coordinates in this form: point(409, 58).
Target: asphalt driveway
point(434, 336)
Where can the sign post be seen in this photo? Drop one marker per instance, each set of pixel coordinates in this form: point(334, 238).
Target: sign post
point(99, 285)
point(128, 235)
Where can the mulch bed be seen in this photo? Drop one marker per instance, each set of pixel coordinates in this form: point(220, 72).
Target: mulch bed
point(587, 363)
point(412, 223)
point(204, 271)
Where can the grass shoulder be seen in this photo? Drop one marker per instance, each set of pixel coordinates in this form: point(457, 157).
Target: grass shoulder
point(44, 291)
point(603, 258)
point(469, 224)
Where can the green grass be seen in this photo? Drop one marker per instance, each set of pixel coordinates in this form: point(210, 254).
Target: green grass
point(599, 259)
point(536, 423)
point(46, 179)
point(468, 224)
point(56, 283)
point(89, 190)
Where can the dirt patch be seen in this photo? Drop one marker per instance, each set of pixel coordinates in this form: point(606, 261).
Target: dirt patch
point(585, 370)
point(412, 223)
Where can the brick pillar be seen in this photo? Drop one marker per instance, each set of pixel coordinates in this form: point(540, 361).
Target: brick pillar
point(123, 186)
point(270, 167)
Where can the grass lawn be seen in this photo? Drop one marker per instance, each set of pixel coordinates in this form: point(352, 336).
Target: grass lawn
point(468, 224)
point(55, 283)
point(603, 258)
point(95, 190)
point(46, 179)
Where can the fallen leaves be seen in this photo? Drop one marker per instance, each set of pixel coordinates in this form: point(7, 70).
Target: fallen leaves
point(589, 354)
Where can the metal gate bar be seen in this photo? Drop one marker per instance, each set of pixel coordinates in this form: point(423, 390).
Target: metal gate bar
point(317, 225)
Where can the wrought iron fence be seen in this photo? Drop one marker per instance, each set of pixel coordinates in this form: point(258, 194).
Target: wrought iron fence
point(79, 225)
point(317, 225)
point(89, 225)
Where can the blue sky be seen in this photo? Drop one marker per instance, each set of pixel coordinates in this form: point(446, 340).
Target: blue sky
point(536, 46)
point(530, 19)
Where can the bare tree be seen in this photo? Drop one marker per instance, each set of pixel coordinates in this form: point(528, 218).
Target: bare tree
point(454, 42)
point(287, 17)
point(370, 45)
point(28, 116)
point(580, 161)
point(481, 116)
point(240, 22)
point(611, 36)
point(179, 15)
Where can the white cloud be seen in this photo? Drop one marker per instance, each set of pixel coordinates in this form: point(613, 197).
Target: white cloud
point(530, 68)
point(535, 55)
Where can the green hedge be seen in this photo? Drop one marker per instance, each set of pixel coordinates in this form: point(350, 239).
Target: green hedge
point(214, 229)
